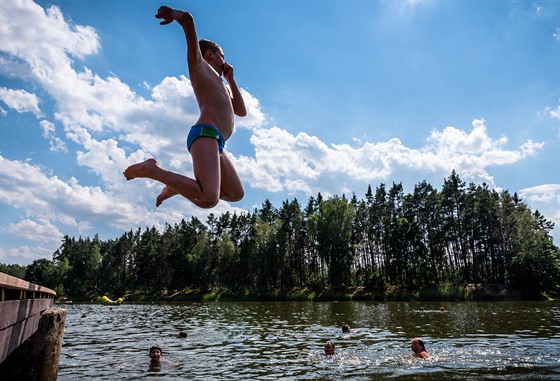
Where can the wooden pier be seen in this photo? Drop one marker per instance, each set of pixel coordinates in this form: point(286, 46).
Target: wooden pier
point(31, 330)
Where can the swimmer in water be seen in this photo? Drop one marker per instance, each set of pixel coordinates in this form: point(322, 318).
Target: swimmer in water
point(155, 358)
point(329, 348)
point(156, 354)
point(419, 348)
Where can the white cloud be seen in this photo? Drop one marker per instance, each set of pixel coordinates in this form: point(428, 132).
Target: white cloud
point(47, 127)
point(42, 231)
point(53, 201)
point(55, 143)
point(26, 187)
point(553, 112)
point(550, 111)
point(52, 36)
point(460, 142)
point(541, 193)
point(546, 199)
point(20, 100)
point(25, 254)
point(254, 118)
point(530, 148)
point(303, 163)
point(556, 35)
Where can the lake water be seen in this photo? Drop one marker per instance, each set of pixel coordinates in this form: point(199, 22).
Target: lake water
point(284, 341)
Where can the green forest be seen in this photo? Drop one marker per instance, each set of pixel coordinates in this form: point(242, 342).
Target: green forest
point(388, 240)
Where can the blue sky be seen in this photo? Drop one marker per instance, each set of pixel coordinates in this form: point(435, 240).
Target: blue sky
point(340, 94)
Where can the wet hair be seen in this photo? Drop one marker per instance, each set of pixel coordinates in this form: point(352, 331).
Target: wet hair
point(155, 347)
point(421, 343)
point(182, 334)
point(207, 44)
point(329, 348)
point(346, 329)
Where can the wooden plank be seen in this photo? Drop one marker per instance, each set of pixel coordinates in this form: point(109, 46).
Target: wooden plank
point(19, 317)
point(14, 311)
point(13, 336)
point(38, 357)
point(7, 281)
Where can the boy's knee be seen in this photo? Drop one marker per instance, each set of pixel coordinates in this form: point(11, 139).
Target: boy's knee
point(233, 196)
point(238, 196)
point(207, 202)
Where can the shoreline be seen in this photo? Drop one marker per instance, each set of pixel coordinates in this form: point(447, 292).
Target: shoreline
point(439, 293)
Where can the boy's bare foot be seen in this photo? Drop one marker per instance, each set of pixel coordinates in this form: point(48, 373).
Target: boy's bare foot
point(166, 193)
point(142, 169)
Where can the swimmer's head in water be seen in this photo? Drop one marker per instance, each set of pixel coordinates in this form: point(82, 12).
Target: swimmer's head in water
point(417, 345)
point(329, 348)
point(155, 353)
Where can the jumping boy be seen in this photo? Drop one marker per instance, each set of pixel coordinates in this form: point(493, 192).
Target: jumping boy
point(215, 177)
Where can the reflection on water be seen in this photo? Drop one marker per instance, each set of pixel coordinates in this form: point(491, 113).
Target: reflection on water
point(284, 341)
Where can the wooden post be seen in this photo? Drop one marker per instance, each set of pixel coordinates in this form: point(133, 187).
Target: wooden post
point(38, 357)
point(19, 318)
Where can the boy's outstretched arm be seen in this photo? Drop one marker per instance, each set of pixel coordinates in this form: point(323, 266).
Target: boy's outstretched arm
point(186, 20)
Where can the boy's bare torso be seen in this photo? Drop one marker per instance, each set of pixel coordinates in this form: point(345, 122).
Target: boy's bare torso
point(213, 97)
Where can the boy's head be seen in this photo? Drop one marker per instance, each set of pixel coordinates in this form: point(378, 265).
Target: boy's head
point(417, 345)
point(155, 353)
point(329, 348)
point(206, 45)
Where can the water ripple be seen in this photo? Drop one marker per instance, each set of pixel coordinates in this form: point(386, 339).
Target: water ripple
point(284, 341)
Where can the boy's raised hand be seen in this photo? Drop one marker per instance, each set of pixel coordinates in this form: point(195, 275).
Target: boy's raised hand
point(227, 71)
point(165, 13)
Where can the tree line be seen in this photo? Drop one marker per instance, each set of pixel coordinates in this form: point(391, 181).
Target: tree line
point(460, 234)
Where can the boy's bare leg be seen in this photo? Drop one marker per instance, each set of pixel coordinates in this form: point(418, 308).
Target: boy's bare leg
point(166, 192)
point(203, 192)
point(206, 168)
point(231, 188)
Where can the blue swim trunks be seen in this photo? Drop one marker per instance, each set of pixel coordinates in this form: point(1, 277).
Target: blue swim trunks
point(205, 131)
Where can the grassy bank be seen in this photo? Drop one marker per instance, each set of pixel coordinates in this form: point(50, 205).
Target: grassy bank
point(443, 292)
